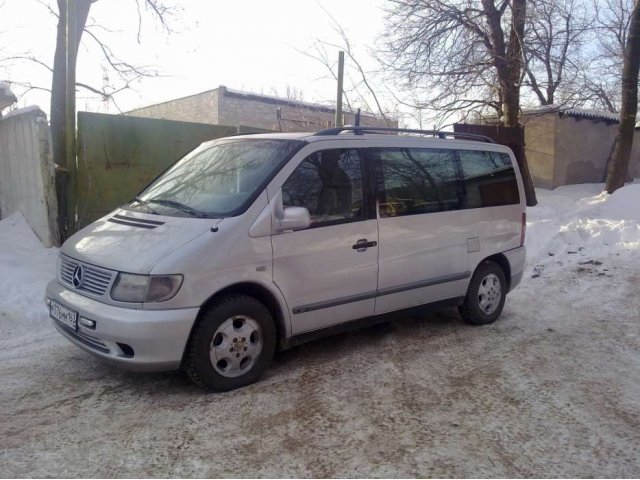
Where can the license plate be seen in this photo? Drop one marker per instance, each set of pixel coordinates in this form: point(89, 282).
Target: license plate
point(64, 315)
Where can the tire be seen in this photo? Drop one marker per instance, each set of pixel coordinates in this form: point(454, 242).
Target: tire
point(231, 345)
point(485, 296)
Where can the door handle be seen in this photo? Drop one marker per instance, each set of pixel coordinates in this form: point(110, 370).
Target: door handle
point(362, 245)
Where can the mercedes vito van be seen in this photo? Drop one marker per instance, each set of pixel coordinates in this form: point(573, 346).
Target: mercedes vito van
point(257, 242)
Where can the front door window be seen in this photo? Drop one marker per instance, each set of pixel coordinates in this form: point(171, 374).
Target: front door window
point(329, 184)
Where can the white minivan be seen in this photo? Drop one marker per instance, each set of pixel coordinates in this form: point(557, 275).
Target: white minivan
point(257, 242)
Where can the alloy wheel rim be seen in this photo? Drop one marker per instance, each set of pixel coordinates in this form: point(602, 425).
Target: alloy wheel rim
point(236, 346)
point(489, 294)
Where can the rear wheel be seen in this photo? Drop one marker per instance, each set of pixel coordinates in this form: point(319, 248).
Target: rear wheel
point(485, 296)
point(232, 344)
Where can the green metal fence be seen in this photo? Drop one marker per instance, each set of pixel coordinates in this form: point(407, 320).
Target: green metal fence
point(119, 155)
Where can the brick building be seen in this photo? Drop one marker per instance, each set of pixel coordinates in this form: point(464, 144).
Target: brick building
point(224, 106)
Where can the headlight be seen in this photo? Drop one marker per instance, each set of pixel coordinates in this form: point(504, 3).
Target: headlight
point(163, 287)
point(144, 288)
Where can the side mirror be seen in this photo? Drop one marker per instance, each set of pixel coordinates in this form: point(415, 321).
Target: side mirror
point(294, 218)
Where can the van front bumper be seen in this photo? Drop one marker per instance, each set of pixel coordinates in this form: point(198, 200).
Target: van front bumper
point(140, 340)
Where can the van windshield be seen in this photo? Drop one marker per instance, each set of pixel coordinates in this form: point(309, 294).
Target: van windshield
point(215, 180)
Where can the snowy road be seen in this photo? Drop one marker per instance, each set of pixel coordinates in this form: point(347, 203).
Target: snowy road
point(550, 390)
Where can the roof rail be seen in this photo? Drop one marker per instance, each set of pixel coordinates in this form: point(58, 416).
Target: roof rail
point(435, 133)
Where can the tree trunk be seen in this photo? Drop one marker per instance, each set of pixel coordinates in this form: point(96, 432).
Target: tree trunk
point(514, 53)
point(511, 89)
point(508, 61)
point(57, 115)
point(624, 141)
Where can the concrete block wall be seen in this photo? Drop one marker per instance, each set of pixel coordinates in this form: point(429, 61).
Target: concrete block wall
point(539, 139)
point(236, 108)
point(567, 150)
point(582, 149)
point(198, 108)
point(223, 106)
point(27, 172)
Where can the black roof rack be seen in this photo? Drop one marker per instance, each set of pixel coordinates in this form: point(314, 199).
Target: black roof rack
point(435, 133)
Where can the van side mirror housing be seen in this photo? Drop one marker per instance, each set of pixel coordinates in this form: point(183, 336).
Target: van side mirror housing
point(294, 218)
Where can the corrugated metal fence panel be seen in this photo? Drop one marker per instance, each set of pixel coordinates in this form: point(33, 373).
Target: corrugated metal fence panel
point(26, 171)
point(119, 155)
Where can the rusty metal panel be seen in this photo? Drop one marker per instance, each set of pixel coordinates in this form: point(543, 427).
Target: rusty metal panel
point(119, 155)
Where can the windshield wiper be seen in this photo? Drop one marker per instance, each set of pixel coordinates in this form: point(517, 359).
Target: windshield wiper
point(179, 206)
point(145, 204)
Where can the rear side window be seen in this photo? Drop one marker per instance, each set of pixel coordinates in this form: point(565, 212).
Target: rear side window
point(329, 184)
point(489, 179)
point(413, 181)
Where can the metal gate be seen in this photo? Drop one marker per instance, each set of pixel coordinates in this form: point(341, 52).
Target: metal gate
point(119, 155)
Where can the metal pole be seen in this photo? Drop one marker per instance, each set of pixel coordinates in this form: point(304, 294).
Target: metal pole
point(339, 96)
point(70, 107)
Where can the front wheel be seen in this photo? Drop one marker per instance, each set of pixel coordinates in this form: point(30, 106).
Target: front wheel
point(485, 296)
point(232, 344)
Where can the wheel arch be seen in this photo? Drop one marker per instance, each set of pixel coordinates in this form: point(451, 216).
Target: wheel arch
point(503, 263)
point(260, 293)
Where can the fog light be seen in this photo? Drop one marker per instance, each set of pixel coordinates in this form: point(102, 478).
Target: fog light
point(85, 322)
point(47, 301)
point(126, 349)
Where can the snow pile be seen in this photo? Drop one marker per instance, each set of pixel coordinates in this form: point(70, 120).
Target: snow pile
point(6, 96)
point(577, 112)
point(582, 226)
point(624, 204)
point(25, 269)
point(25, 111)
point(5, 92)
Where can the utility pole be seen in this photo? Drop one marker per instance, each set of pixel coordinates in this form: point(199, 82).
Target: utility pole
point(339, 96)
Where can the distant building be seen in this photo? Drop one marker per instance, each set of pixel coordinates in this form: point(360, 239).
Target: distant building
point(566, 146)
point(224, 106)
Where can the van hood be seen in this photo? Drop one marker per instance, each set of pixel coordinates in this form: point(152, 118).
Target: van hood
point(133, 242)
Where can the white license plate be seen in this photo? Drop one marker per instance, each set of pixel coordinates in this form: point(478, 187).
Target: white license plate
point(64, 315)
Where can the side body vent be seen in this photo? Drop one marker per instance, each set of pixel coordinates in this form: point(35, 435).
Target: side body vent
point(134, 222)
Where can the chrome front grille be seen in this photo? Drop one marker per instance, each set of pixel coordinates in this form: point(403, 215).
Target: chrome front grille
point(95, 280)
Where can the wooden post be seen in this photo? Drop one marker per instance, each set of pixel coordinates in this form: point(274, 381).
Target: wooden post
point(339, 96)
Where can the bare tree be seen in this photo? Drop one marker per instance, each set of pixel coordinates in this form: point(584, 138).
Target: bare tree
point(601, 83)
point(126, 71)
point(462, 54)
point(629, 105)
point(556, 32)
point(360, 84)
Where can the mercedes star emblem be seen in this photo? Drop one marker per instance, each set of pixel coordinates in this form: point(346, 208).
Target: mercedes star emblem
point(77, 277)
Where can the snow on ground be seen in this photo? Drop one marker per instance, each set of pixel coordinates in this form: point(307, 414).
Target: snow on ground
point(550, 390)
point(25, 269)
